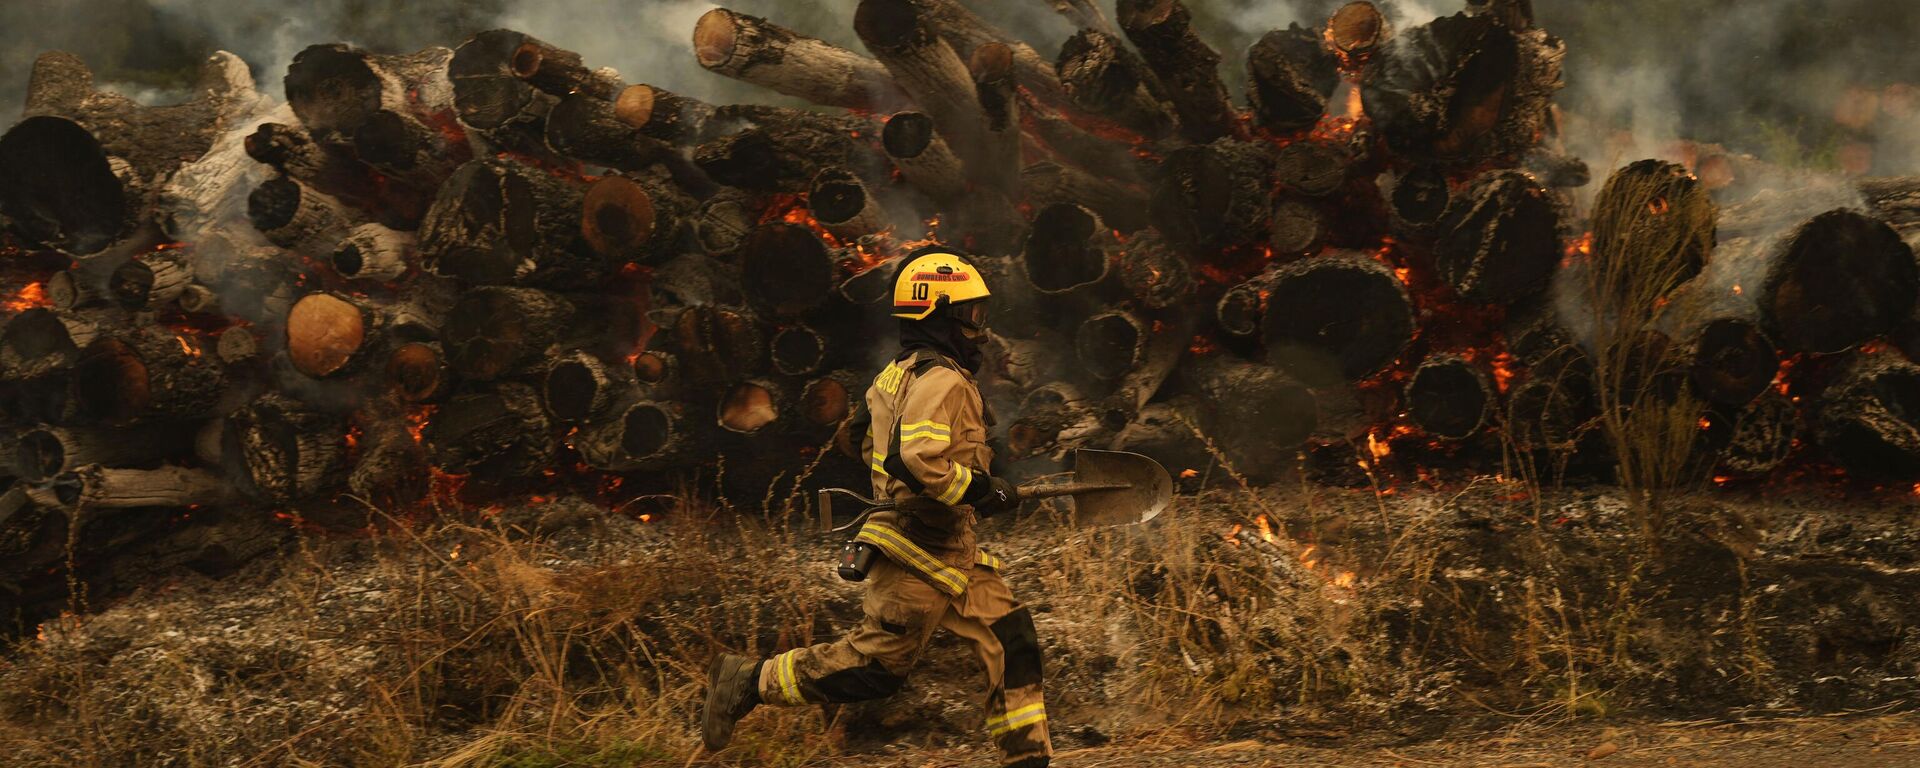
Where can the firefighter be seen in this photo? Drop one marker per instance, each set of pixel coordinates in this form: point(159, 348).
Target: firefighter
point(926, 447)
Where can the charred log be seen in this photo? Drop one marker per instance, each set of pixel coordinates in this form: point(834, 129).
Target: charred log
point(716, 344)
point(487, 95)
point(826, 401)
point(1063, 254)
point(336, 89)
point(63, 190)
point(561, 72)
point(585, 127)
point(991, 67)
point(626, 222)
point(329, 334)
point(1840, 279)
point(1121, 206)
point(1764, 434)
point(1110, 344)
point(284, 452)
point(296, 217)
point(374, 252)
point(923, 157)
point(839, 201)
point(1213, 196)
point(648, 436)
point(1187, 67)
point(662, 115)
point(1499, 239)
point(1450, 397)
point(145, 372)
point(418, 371)
point(781, 150)
point(502, 434)
point(492, 332)
point(1312, 168)
point(1153, 273)
point(1105, 78)
point(44, 452)
point(152, 280)
point(785, 270)
point(751, 406)
point(1420, 197)
point(899, 34)
point(1256, 415)
point(722, 222)
point(498, 221)
point(40, 341)
point(95, 487)
point(1732, 361)
point(1336, 319)
point(758, 51)
point(580, 387)
point(391, 469)
point(1289, 77)
point(1463, 88)
point(1298, 228)
point(1869, 419)
point(76, 288)
point(658, 373)
point(797, 350)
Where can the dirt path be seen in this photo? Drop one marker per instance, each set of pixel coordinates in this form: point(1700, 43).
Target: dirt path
point(1887, 741)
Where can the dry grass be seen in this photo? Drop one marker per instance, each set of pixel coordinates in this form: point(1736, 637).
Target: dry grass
point(560, 636)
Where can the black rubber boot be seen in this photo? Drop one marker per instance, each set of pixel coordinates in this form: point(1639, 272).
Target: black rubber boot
point(731, 694)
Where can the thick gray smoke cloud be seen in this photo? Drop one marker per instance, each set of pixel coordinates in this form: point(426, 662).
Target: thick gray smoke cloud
point(1818, 83)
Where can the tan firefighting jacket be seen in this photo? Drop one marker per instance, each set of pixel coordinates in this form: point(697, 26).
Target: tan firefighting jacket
point(927, 447)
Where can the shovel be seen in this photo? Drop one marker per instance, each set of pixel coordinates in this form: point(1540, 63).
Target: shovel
point(1108, 488)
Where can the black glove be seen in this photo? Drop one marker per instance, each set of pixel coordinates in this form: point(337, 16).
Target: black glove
point(1001, 496)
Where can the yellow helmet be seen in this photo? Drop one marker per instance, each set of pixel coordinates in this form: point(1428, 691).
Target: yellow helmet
point(929, 275)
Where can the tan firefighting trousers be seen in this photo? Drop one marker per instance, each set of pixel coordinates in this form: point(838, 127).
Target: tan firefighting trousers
point(903, 607)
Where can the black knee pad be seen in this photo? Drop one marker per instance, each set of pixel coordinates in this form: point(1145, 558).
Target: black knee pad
point(1021, 646)
point(872, 681)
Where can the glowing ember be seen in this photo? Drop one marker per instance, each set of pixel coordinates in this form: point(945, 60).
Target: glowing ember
point(455, 554)
point(1503, 371)
point(33, 295)
point(187, 346)
point(1658, 206)
point(417, 421)
point(1736, 289)
point(1266, 528)
point(1187, 473)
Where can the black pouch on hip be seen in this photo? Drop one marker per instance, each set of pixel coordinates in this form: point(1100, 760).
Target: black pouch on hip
point(856, 560)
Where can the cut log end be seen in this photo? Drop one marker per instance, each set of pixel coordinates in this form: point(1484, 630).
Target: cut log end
point(61, 188)
point(1733, 362)
point(714, 36)
point(1844, 278)
point(619, 216)
point(749, 407)
point(1336, 319)
point(1449, 397)
point(417, 371)
point(1060, 255)
point(1356, 28)
point(325, 333)
point(1111, 343)
point(798, 350)
point(785, 269)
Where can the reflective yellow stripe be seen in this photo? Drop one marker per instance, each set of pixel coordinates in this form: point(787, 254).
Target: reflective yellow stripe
point(958, 487)
point(910, 436)
point(789, 683)
point(932, 425)
point(989, 561)
point(878, 463)
point(1017, 719)
point(905, 552)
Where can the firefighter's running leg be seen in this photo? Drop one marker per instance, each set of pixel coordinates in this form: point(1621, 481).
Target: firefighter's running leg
point(872, 660)
point(1001, 632)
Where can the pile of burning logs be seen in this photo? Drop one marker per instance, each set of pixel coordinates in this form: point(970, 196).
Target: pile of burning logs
point(498, 266)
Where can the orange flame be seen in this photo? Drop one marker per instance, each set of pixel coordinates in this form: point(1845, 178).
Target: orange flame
point(29, 297)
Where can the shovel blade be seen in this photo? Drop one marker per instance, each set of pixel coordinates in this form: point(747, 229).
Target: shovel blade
point(1148, 488)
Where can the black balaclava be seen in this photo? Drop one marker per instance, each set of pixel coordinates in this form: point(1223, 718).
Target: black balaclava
point(941, 333)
